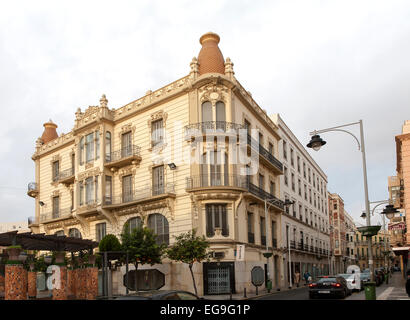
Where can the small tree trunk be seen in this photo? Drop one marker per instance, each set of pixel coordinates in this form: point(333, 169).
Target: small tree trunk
point(193, 278)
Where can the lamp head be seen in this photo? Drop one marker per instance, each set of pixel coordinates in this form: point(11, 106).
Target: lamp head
point(316, 142)
point(389, 211)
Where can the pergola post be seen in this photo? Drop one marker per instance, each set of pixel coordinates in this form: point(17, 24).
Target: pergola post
point(60, 289)
point(92, 279)
point(32, 282)
point(15, 274)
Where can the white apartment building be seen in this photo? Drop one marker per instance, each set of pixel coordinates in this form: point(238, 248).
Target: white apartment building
point(305, 223)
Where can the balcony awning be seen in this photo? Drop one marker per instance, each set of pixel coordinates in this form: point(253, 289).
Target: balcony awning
point(40, 241)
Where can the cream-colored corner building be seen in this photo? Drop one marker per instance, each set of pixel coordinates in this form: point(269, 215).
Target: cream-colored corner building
point(139, 163)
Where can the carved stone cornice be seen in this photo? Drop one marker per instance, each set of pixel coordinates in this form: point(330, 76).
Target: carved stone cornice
point(213, 92)
point(89, 173)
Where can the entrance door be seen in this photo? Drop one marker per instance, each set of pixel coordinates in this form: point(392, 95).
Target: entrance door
point(219, 278)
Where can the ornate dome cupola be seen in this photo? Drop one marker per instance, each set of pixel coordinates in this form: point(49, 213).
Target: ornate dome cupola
point(50, 132)
point(210, 58)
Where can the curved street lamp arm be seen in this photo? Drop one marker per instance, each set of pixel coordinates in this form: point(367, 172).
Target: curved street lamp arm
point(328, 130)
point(379, 204)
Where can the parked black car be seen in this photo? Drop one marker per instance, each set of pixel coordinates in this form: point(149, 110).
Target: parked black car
point(328, 286)
point(159, 295)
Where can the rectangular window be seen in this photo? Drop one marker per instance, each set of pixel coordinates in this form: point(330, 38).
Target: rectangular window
point(108, 190)
point(274, 240)
point(261, 181)
point(96, 197)
point(100, 231)
point(285, 154)
point(285, 173)
point(309, 175)
point(56, 170)
point(291, 157)
point(126, 144)
point(56, 207)
point(270, 148)
point(89, 147)
point(304, 170)
point(81, 191)
point(272, 188)
point(89, 190)
point(298, 163)
point(73, 163)
point(251, 236)
point(216, 217)
point(157, 132)
point(97, 144)
point(247, 126)
point(158, 180)
point(127, 188)
point(263, 231)
point(293, 181)
point(299, 187)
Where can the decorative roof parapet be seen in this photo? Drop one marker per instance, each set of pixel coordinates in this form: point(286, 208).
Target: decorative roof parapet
point(93, 113)
point(57, 142)
point(153, 97)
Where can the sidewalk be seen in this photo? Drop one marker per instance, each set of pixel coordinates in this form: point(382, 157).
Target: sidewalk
point(250, 295)
point(395, 290)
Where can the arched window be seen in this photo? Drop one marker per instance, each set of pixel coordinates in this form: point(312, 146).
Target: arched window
point(206, 111)
point(133, 223)
point(159, 224)
point(108, 146)
point(75, 233)
point(220, 111)
point(59, 233)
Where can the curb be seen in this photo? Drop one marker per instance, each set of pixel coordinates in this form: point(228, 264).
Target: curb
point(272, 293)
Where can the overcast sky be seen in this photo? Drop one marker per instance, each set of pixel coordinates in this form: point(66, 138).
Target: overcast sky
point(317, 63)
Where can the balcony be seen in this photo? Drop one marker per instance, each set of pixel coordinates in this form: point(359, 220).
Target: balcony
point(138, 196)
point(211, 128)
point(32, 189)
point(292, 244)
point(217, 181)
point(266, 157)
point(123, 157)
point(262, 194)
point(66, 176)
point(55, 215)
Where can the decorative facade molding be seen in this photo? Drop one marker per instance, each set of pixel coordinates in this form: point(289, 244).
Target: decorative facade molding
point(213, 93)
point(87, 174)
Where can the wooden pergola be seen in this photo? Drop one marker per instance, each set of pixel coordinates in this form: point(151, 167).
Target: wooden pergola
point(41, 241)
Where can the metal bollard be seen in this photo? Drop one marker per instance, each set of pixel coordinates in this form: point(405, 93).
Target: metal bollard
point(244, 293)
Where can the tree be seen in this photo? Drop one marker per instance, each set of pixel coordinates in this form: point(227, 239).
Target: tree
point(142, 247)
point(189, 248)
point(109, 243)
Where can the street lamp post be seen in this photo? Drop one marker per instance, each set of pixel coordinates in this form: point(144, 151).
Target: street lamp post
point(316, 143)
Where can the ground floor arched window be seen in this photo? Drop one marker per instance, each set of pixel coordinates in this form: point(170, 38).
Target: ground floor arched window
point(159, 224)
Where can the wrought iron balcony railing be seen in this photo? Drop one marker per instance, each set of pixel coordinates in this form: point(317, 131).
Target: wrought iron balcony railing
point(55, 214)
point(125, 152)
point(216, 180)
point(137, 195)
point(264, 195)
point(265, 153)
point(65, 174)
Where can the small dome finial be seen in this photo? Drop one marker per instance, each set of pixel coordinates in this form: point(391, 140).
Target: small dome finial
point(50, 132)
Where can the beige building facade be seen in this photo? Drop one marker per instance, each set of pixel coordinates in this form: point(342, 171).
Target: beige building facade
point(196, 153)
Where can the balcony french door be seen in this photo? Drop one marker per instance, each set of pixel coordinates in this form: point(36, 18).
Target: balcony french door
point(215, 169)
point(158, 180)
point(126, 145)
point(127, 188)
